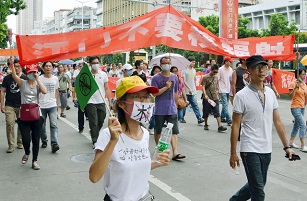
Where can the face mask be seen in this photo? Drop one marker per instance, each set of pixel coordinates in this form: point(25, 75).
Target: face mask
point(8, 71)
point(141, 112)
point(31, 76)
point(129, 72)
point(165, 67)
point(95, 66)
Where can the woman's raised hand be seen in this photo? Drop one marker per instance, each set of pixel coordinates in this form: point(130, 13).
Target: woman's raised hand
point(114, 128)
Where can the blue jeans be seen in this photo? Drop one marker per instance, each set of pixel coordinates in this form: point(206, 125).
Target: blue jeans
point(256, 167)
point(52, 113)
point(299, 122)
point(193, 102)
point(152, 122)
point(225, 100)
point(181, 113)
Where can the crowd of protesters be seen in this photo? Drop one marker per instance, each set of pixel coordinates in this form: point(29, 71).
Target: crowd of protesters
point(51, 86)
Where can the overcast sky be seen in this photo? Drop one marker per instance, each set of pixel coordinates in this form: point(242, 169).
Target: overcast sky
point(49, 6)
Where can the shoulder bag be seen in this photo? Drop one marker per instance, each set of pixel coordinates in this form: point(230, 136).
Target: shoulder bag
point(30, 112)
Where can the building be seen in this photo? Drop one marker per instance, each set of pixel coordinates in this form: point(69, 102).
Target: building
point(114, 12)
point(75, 18)
point(27, 17)
point(259, 14)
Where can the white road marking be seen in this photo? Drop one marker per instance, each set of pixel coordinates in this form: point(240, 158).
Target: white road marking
point(160, 184)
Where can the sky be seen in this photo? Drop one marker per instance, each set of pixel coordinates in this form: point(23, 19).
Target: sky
point(49, 6)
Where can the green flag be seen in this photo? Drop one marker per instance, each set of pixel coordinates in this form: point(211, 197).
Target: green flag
point(85, 86)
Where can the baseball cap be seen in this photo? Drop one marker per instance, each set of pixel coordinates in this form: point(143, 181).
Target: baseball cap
point(127, 67)
point(255, 60)
point(133, 84)
point(228, 59)
point(31, 68)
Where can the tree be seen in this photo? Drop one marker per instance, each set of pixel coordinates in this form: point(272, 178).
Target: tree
point(279, 25)
point(8, 7)
point(118, 58)
point(211, 23)
point(243, 31)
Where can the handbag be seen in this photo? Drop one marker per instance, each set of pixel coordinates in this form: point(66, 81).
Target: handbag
point(29, 112)
point(181, 103)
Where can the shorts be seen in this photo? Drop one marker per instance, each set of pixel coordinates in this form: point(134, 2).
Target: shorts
point(63, 98)
point(161, 119)
point(207, 108)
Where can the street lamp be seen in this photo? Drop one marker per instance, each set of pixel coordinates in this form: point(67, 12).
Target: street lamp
point(82, 2)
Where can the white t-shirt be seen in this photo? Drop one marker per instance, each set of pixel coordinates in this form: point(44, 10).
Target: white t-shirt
point(101, 78)
point(224, 82)
point(48, 100)
point(256, 130)
point(189, 77)
point(126, 178)
point(76, 73)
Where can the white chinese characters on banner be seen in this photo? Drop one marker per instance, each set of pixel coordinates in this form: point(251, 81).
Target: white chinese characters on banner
point(240, 48)
point(286, 79)
point(169, 25)
point(135, 27)
point(56, 47)
point(200, 38)
point(107, 39)
point(264, 48)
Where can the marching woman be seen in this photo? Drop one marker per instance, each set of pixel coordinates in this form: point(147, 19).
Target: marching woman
point(126, 163)
point(30, 130)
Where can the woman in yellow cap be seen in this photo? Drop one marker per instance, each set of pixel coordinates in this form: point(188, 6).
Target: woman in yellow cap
point(126, 163)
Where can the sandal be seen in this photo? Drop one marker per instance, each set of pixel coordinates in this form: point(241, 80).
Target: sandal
point(24, 159)
point(178, 157)
point(63, 115)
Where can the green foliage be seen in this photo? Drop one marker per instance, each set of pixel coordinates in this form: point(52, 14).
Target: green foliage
point(8, 7)
point(105, 59)
point(118, 58)
point(243, 31)
point(279, 26)
point(211, 23)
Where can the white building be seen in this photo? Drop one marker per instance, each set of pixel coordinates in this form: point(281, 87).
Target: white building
point(259, 14)
point(75, 18)
point(27, 17)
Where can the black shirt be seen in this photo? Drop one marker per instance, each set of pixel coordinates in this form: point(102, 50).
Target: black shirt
point(241, 76)
point(12, 94)
point(142, 76)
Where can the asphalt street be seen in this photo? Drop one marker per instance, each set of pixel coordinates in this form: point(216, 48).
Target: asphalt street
point(205, 175)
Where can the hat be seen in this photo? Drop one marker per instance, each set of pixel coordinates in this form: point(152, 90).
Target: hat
point(131, 85)
point(228, 59)
point(255, 60)
point(31, 68)
point(127, 67)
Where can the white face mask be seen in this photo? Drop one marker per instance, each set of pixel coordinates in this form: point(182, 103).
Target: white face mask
point(165, 67)
point(31, 76)
point(141, 112)
point(95, 66)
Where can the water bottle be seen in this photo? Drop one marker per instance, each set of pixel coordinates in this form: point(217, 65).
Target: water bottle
point(164, 140)
point(189, 108)
point(237, 171)
point(211, 102)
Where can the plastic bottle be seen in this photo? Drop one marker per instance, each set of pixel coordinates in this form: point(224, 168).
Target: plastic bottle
point(164, 141)
point(189, 108)
point(211, 102)
point(237, 171)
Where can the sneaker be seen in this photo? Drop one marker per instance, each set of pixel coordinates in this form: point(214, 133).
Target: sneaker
point(223, 120)
point(206, 127)
point(182, 121)
point(303, 149)
point(151, 131)
point(229, 123)
point(67, 107)
point(24, 159)
point(201, 121)
point(63, 115)
point(221, 129)
point(294, 146)
point(55, 148)
point(10, 150)
point(44, 144)
point(81, 130)
point(20, 146)
point(35, 166)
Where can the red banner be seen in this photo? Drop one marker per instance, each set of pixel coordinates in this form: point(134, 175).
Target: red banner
point(229, 19)
point(112, 84)
point(162, 26)
point(282, 80)
point(8, 52)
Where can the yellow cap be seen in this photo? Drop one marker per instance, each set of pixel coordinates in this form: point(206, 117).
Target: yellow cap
point(133, 84)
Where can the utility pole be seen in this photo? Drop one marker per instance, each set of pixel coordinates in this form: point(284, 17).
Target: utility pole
point(82, 18)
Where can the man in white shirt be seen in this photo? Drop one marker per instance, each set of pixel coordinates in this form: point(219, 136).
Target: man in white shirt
point(225, 72)
point(255, 107)
point(189, 78)
point(96, 107)
point(48, 105)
